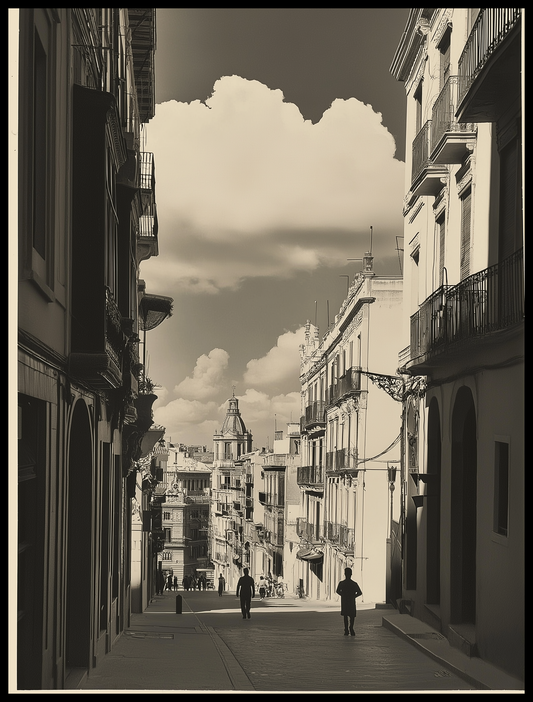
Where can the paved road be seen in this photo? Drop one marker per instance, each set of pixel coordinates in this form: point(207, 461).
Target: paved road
point(293, 646)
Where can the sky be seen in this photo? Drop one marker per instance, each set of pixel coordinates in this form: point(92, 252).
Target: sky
point(278, 139)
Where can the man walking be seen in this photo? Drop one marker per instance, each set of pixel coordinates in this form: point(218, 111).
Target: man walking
point(246, 591)
point(348, 589)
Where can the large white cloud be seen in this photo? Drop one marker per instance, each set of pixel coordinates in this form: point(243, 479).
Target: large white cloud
point(244, 184)
point(207, 378)
point(281, 365)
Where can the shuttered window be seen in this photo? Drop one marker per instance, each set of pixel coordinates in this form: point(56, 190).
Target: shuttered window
point(466, 219)
point(441, 233)
point(510, 201)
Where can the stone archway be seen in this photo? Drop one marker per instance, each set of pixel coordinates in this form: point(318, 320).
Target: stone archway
point(79, 540)
point(464, 509)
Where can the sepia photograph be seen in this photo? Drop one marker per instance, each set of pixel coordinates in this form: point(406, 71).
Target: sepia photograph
point(266, 350)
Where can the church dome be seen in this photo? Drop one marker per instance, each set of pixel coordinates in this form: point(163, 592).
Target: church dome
point(233, 423)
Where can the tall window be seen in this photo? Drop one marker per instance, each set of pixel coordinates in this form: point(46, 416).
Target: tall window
point(441, 239)
point(37, 69)
point(444, 50)
point(466, 219)
point(501, 487)
point(510, 199)
point(418, 108)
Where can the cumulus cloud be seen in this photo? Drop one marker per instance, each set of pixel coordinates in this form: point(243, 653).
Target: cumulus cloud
point(207, 378)
point(236, 171)
point(280, 365)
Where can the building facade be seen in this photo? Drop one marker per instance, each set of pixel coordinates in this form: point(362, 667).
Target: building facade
point(229, 497)
point(463, 535)
point(183, 500)
point(85, 218)
point(350, 426)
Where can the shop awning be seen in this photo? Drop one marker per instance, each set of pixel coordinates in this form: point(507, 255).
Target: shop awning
point(307, 554)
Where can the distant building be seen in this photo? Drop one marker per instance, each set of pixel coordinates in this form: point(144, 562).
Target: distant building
point(183, 499)
point(350, 427)
point(463, 530)
point(228, 507)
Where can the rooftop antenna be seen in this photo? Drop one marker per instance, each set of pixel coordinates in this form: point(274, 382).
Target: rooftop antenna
point(371, 231)
point(315, 311)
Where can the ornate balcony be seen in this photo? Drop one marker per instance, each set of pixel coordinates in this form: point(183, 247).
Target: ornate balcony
point(143, 42)
point(490, 66)
point(485, 302)
point(310, 476)
point(450, 140)
point(345, 386)
point(98, 359)
point(427, 178)
point(147, 239)
point(315, 414)
point(340, 535)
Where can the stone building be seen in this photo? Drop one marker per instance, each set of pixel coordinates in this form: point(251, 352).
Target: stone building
point(83, 196)
point(463, 331)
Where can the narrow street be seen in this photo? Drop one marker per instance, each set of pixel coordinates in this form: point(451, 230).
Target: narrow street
point(287, 645)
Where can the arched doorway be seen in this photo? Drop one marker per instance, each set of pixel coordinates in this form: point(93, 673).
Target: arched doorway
point(464, 509)
point(79, 529)
point(433, 505)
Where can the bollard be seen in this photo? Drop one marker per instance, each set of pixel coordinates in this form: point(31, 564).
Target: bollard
point(179, 604)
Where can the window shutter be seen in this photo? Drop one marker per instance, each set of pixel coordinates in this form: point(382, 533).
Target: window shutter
point(441, 224)
point(466, 211)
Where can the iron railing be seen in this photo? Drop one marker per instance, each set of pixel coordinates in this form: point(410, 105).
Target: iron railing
point(315, 413)
point(485, 302)
point(491, 27)
point(421, 150)
point(310, 475)
point(443, 114)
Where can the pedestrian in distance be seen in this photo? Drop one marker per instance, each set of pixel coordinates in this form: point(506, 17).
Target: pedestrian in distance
point(246, 591)
point(221, 584)
point(348, 589)
point(175, 583)
point(262, 588)
point(169, 583)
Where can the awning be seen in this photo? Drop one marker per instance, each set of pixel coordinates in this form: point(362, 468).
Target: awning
point(154, 309)
point(307, 554)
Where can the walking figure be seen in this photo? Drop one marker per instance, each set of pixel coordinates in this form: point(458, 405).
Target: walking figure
point(348, 589)
point(262, 588)
point(169, 583)
point(175, 583)
point(246, 590)
point(221, 584)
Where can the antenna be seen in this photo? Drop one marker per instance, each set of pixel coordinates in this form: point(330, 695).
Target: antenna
point(371, 231)
point(328, 314)
point(315, 311)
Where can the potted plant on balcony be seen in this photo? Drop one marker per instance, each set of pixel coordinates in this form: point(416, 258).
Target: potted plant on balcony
point(144, 401)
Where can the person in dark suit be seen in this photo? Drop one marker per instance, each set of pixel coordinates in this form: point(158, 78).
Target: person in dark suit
point(246, 591)
point(348, 589)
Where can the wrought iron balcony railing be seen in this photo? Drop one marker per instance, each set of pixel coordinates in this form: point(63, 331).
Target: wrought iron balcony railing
point(315, 413)
point(485, 302)
point(491, 27)
point(310, 475)
point(444, 122)
point(340, 535)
